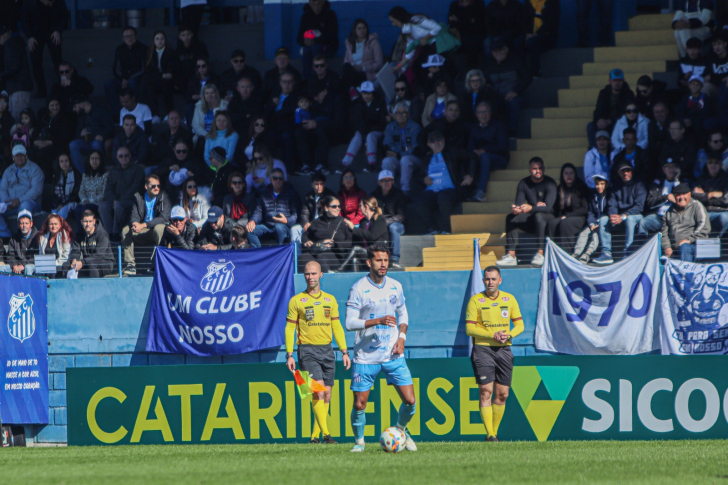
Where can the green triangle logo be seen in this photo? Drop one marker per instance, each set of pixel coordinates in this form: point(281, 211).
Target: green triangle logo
point(542, 414)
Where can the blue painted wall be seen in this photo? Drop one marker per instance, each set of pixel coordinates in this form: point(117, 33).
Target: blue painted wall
point(102, 323)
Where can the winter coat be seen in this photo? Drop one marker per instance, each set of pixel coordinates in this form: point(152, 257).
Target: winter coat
point(22, 249)
point(137, 143)
point(129, 61)
point(372, 58)
point(598, 207)
point(197, 213)
point(123, 183)
point(692, 223)
point(16, 70)
point(377, 232)
point(719, 183)
point(65, 94)
point(96, 122)
point(64, 248)
point(92, 188)
point(198, 119)
point(393, 205)
point(644, 169)
point(23, 184)
point(349, 200)
point(593, 166)
point(221, 238)
point(325, 22)
point(162, 209)
point(605, 110)
point(430, 104)
point(183, 240)
point(627, 198)
point(641, 127)
point(66, 187)
point(250, 203)
point(323, 228)
point(510, 75)
point(287, 203)
point(308, 208)
point(394, 141)
point(369, 117)
point(95, 246)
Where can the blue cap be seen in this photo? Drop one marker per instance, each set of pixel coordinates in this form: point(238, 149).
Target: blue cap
point(616, 74)
point(214, 213)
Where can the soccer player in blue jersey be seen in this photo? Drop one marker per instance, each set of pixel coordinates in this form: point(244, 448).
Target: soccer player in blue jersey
point(376, 311)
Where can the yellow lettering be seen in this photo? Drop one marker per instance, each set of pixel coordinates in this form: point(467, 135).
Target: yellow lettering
point(185, 393)
point(215, 421)
point(265, 414)
point(349, 403)
point(468, 406)
point(143, 423)
point(93, 403)
point(440, 405)
point(290, 409)
point(388, 397)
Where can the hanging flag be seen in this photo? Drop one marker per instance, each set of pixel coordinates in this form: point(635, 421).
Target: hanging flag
point(476, 281)
point(306, 385)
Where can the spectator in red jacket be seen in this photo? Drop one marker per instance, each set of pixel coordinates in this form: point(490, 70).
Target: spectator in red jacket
point(350, 195)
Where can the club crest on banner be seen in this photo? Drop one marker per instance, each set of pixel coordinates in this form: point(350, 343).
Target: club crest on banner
point(21, 320)
point(219, 277)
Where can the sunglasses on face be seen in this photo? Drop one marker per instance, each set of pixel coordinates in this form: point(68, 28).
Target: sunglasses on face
point(191, 186)
point(180, 151)
point(238, 61)
point(236, 182)
point(64, 71)
point(177, 220)
point(318, 66)
point(399, 90)
point(276, 178)
point(201, 66)
point(153, 186)
point(641, 91)
point(630, 111)
point(334, 206)
point(716, 141)
point(123, 155)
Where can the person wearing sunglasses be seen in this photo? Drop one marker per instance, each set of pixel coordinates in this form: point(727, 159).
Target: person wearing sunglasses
point(180, 232)
point(244, 105)
point(69, 85)
point(202, 75)
point(123, 182)
point(403, 93)
point(258, 136)
point(239, 205)
point(318, 33)
point(182, 163)
point(632, 118)
point(163, 142)
point(276, 212)
point(190, 49)
point(476, 92)
point(134, 139)
point(149, 216)
point(714, 148)
point(328, 239)
point(258, 175)
point(239, 68)
point(194, 203)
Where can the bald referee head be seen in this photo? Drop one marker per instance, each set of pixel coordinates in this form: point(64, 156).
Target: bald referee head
point(312, 273)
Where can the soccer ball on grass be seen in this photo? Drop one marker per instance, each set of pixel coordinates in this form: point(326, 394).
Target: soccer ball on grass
point(392, 440)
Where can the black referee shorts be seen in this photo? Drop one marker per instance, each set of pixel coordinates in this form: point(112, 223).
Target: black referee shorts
point(318, 361)
point(492, 364)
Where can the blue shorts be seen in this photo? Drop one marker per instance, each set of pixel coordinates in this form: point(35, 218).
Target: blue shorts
point(396, 372)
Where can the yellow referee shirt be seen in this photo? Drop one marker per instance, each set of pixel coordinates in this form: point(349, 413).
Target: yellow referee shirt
point(485, 316)
point(313, 318)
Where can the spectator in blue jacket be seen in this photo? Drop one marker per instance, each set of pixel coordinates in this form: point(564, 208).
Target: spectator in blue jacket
point(626, 203)
point(400, 141)
point(221, 134)
point(588, 239)
point(277, 211)
point(489, 141)
point(598, 160)
point(21, 188)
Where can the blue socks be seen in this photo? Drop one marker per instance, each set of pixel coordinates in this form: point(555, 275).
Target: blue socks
point(358, 422)
point(406, 411)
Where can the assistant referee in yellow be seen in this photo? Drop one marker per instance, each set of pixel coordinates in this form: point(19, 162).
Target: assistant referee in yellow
point(314, 315)
point(488, 321)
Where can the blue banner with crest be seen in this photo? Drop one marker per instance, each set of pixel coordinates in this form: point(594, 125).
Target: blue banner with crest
point(24, 350)
point(220, 302)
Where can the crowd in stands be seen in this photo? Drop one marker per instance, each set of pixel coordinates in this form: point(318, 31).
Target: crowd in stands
point(135, 170)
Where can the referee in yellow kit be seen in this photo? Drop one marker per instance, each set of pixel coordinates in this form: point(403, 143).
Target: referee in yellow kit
point(314, 315)
point(488, 321)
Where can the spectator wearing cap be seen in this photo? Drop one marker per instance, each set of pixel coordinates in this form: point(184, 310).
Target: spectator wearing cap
point(363, 58)
point(272, 77)
point(612, 101)
point(70, 86)
point(659, 198)
point(140, 111)
point(531, 212)
point(149, 216)
point(21, 187)
point(94, 126)
point(684, 223)
point(693, 18)
point(635, 155)
point(632, 118)
point(448, 175)
point(588, 239)
point(648, 92)
point(542, 30)
point(239, 68)
point(504, 22)
point(393, 204)
point(91, 253)
point(711, 190)
point(276, 212)
point(318, 33)
point(280, 116)
point(15, 74)
point(245, 105)
point(133, 138)
point(400, 142)
point(180, 233)
point(222, 169)
point(43, 22)
point(216, 233)
point(124, 180)
point(680, 147)
point(510, 77)
point(626, 203)
point(434, 68)
point(488, 140)
point(696, 107)
point(23, 246)
point(436, 103)
point(127, 68)
point(369, 120)
point(598, 160)
point(714, 148)
point(692, 63)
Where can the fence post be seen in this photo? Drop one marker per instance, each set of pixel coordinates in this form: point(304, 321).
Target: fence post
point(119, 259)
point(295, 257)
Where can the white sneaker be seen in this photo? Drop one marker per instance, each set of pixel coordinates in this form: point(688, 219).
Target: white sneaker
point(537, 260)
point(507, 260)
point(357, 448)
point(409, 445)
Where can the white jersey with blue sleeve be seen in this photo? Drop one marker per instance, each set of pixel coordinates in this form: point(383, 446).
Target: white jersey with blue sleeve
point(367, 301)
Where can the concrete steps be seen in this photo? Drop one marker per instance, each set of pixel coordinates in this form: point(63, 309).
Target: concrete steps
point(516, 174)
point(456, 251)
point(552, 144)
point(573, 98)
point(489, 207)
point(566, 127)
point(650, 22)
point(519, 160)
point(635, 54)
point(641, 38)
point(561, 112)
point(629, 67)
point(475, 223)
point(598, 81)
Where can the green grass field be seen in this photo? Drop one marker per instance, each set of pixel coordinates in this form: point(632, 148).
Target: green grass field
point(473, 462)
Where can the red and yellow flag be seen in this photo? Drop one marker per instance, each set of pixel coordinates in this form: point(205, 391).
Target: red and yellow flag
point(306, 385)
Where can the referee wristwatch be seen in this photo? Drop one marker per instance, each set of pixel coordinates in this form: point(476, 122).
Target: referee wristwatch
point(345, 353)
point(289, 356)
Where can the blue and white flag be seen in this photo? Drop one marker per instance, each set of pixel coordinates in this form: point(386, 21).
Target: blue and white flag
point(694, 316)
point(220, 302)
point(609, 310)
point(476, 281)
point(24, 352)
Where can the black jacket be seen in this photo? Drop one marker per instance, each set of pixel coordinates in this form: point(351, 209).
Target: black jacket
point(250, 203)
point(123, 183)
point(187, 61)
point(644, 169)
point(129, 61)
point(605, 110)
point(459, 163)
point(710, 184)
point(509, 19)
point(59, 185)
point(242, 112)
point(194, 86)
point(377, 232)
point(59, 130)
point(531, 192)
point(654, 195)
point(576, 203)
point(627, 198)
point(393, 205)
point(308, 209)
point(549, 15)
point(284, 119)
point(40, 21)
point(230, 78)
point(169, 63)
point(184, 240)
point(485, 94)
point(287, 203)
point(272, 81)
point(137, 143)
point(98, 121)
point(221, 238)
point(21, 250)
point(323, 228)
point(683, 152)
point(326, 22)
point(16, 70)
point(510, 75)
point(368, 118)
point(219, 183)
point(95, 246)
point(65, 94)
point(456, 134)
point(162, 209)
point(163, 143)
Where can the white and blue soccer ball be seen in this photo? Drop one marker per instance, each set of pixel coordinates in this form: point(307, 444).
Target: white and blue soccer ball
point(392, 440)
